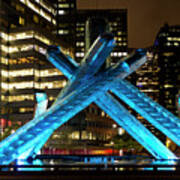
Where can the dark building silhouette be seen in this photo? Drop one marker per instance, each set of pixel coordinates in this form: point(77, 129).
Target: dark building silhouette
point(167, 55)
point(159, 78)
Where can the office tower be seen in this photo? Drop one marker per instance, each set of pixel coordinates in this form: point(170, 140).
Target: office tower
point(92, 126)
point(117, 24)
point(66, 18)
point(167, 56)
point(94, 27)
point(159, 78)
point(71, 26)
point(25, 31)
point(167, 47)
point(147, 80)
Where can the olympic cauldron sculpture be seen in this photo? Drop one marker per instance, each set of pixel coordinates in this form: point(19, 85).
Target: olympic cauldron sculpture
point(90, 82)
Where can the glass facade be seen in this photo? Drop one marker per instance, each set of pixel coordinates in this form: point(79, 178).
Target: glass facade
point(168, 59)
point(93, 125)
point(159, 77)
point(25, 34)
point(117, 24)
point(26, 30)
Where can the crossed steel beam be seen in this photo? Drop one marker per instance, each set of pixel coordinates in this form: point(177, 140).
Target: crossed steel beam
point(88, 83)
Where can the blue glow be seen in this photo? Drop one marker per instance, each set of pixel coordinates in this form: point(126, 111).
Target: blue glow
point(41, 96)
point(162, 119)
point(142, 135)
point(42, 103)
point(25, 162)
point(125, 66)
point(163, 162)
point(87, 84)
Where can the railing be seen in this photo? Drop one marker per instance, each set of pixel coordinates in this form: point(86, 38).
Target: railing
point(81, 170)
point(90, 167)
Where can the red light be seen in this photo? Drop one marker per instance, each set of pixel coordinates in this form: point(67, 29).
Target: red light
point(3, 123)
point(9, 123)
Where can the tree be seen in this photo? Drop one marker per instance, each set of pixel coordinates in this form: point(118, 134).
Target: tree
point(126, 142)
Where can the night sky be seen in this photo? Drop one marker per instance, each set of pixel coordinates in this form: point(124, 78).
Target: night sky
point(145, 17)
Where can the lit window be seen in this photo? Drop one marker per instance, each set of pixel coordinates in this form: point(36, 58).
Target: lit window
point(52, 85)
point(102, 113)
point(21, 98)
point(38, 10)
point(119, 54)
point(115, 53)
point(176, 44)
point(124, 53)
point(48, 73)
point(19, 73)
point(21, 85)
point(75, 135)
point(79, 54)
point(168, 86)
point(35, 19)
point(119, 33)
point(19, 8)
point(51, 98)
point(21, 20)
point(85, 135)
point(4, 60)
point(4, 73)
point(121, 131)
point(4, 86)
point(23, 110)
point(61, 12)
point(54, 21)
point(79, 44)
point(14, 49)
point(63, 5)
point(4, 36)
point(169, 38)
point(114, 125)
point(63, 32)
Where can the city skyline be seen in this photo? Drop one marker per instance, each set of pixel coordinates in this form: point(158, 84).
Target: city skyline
point(24, 48)
point(143, 23)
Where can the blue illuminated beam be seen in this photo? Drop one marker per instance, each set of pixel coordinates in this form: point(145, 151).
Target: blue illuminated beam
point(41, 107)
point(90, 65)
point(34, 131)
point(127, 121)
point(133, 59)
point(141, 134)
point(77, 95)
point(41, 103)
point(103, 43)
point(67, 65)
point(158, 116)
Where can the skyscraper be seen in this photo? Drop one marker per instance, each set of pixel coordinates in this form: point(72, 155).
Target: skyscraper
point(71, 26)
point(167, 46)
point(25, 34)
point(27, 29)
point(159, 78)
point(117, 24)
point(66, 18)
